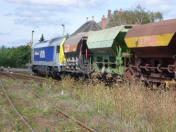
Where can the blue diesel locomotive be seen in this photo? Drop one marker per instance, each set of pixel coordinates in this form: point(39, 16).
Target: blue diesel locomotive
point(47, 56)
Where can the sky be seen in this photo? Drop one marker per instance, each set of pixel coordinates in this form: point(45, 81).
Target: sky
point(19, 17)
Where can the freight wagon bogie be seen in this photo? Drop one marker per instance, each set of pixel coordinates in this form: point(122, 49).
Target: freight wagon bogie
point(154, 70)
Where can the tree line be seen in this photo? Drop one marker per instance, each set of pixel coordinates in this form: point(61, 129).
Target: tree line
point(15, 57)
point(136, 16)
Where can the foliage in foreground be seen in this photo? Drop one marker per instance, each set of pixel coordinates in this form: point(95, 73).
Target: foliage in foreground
point(123, 107)
point(129, 107)
point(15, 57)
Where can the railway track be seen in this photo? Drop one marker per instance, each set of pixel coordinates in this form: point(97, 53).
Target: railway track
point(15, 75)
point(62, 114)
point(14, 108)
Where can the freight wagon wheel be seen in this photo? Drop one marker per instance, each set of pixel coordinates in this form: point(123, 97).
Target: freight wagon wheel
point(94, 78)
point(162, 86)
point(128, 74)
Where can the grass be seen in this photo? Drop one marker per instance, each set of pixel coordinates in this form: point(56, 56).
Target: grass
point(128, 107)
point(122, 108)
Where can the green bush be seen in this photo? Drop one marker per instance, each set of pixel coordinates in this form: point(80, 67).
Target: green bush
point(15, 57)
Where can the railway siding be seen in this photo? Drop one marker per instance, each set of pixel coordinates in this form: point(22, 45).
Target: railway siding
point(15, 109)
point(50, 103)
point(119, 108)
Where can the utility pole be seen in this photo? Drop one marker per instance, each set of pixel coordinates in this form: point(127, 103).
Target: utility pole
point(32, 41)
point(63, 29)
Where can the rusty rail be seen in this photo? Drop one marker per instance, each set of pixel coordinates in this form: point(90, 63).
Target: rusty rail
point(63, 114)
point(76, 121)
point(14, 108)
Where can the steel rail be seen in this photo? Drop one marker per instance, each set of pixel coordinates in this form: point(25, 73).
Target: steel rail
point(23, 76)
point(76, 121)
point(66, 115)
point(14, 108)
point(31, 76)
point(60, 111)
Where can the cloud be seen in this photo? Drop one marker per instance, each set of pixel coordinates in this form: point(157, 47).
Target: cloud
point(166, 7)
point(39, 21)
point(49, 12)
point(4, 34)
point(48, 2)
point(8, 14)
point(14, 43)
point(39, 15)
point(38, 10)
point(160, 4)
point(75, 3)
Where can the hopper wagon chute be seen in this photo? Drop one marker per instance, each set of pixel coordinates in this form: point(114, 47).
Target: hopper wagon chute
point(76, 53)
point(76, 50)
point(109, 49)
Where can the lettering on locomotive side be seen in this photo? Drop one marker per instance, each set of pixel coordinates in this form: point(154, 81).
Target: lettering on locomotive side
point(36, 53)
point(42, 54)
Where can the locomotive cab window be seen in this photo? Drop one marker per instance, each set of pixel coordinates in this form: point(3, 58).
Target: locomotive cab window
point(58, 49)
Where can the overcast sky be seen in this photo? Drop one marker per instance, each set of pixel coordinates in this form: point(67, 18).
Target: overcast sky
point(19, 17)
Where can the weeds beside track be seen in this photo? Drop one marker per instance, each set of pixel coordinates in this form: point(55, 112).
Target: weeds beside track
point(14, 108)
point(62, 114)
point(122, 107)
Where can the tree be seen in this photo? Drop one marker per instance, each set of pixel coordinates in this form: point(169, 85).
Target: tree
point(139, 15)
point(2, 47)
point(15, 57)
point(42, 38)
point(158, 16)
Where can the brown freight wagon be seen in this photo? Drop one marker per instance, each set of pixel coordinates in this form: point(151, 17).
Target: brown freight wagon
point(154, 48)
